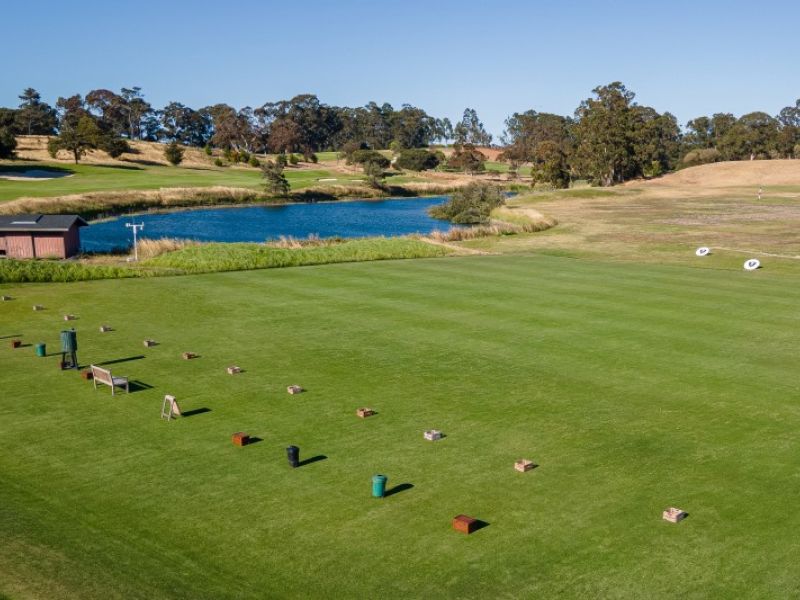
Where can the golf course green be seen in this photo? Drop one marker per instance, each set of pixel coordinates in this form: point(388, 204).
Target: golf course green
point(633, 387)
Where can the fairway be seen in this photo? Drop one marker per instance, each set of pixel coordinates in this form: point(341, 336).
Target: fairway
point(634, 387)
point(106, 178)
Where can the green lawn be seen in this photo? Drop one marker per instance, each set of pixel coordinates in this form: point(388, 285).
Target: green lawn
point(634, 387)
point(95, 178)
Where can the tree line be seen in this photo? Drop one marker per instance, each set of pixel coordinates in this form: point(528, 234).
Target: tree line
point(108, 120)
point(609, 139)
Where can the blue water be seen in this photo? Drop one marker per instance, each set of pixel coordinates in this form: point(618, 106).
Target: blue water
point(262, 223)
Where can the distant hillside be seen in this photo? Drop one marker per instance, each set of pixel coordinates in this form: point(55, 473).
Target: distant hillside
point(730, 174)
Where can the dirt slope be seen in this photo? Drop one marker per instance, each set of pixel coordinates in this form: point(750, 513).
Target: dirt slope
point(730, 174)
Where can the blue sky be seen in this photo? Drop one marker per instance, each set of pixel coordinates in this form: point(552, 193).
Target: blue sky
point(690, 58)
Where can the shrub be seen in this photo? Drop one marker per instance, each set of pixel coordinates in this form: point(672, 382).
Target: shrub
point(274, 179)
point(797, 151)
point(361, 157)
point(173, 153)
point(207, 149)
point(218, 162)
point(114, 146)
point(470, 205)
point(417, 159)
point(293, 160)
point(701, 156)
point(243, 157)
point(281, 160)
point(229, 154)
point(313, 158)
point(254, 162)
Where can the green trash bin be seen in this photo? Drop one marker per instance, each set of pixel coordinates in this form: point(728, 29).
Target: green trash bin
point(378, 486)
point(41, 350)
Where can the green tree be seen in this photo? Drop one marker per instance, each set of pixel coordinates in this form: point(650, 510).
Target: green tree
point(173, 153)
point(374, 172)
point(8, 143)
point(76, 138)
point(35, 117)
point(362, 157)
point(417, 159)
point(471, 205)
point(470, 130)
point(550, 165)
point(274, 180)
point(467, 158)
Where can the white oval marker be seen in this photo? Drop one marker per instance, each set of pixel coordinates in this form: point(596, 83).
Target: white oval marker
point(752, 264)
point(703, 251)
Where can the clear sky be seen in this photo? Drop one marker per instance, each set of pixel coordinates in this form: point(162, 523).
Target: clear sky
point(688, 57)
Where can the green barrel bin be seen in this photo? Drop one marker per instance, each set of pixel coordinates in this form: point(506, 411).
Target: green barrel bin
point(41, 350)
point(69, 340)
point(378, 486)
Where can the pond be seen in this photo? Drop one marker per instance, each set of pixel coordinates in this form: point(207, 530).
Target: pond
point(360, 218)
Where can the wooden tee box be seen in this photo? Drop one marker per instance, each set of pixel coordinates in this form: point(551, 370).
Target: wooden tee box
point(149, 343)
point(69, 317)
point(16, 343)
point(38, 307)
point(465, 524)
point(188, 355)
point(87, 375)
point(240, 439)
point(233, 370)
point(523, 465)
point(364, 412)
point(294, 389)
point(5, 298)
point(105, 328)
point(432, 435)
point(674, 515)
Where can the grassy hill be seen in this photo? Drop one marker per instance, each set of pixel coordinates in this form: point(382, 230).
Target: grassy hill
point(634, 387)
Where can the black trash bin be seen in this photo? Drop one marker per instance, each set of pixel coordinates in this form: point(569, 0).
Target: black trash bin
point(293, 454)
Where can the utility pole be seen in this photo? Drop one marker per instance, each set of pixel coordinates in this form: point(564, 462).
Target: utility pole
point(136, 228)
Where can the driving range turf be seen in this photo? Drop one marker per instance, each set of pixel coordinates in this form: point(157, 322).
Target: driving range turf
point(633, 387)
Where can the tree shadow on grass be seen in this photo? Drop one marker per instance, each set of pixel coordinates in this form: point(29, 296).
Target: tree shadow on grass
point(135, 385)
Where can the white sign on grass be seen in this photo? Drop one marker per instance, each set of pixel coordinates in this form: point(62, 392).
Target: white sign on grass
point(703, 251)
point(752, 264)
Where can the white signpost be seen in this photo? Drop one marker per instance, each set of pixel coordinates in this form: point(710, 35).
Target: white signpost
point(703, 251)
point(752, 264)
point(136, 227)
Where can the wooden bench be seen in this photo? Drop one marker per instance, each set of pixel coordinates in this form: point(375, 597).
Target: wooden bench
point(99, 374)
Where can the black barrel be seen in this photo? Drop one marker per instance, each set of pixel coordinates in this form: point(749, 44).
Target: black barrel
point(293, 454)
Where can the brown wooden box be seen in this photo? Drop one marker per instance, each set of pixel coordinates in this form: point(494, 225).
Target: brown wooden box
point(69, 317)
point(105, 328)
point(87, 375)
point(5, 298)
point(240, 438)
point(188, 355)
point(234, 370)
point(365, 412)
point(149, 343)
point(16, 343)
point(465, 524)
point(38, 307)
point(294, 389)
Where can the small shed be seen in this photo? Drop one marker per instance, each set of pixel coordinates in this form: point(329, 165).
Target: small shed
point(40, 236)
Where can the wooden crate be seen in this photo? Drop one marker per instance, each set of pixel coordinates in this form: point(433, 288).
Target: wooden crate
point(5, 298)
point(105, 328)
point(149, 343)
point(38, 307)
point(294, 389)
point(674, 515)
point(188, 355)
point(233, 370)
point(240, 438)
point(69, 317)
point(432, 435)
point(16, 343)
point(523, 465)
point(465, 524)
point(87, 375)
point(365, 412)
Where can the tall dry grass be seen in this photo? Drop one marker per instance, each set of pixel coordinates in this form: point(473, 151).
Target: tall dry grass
point(150, 248)
point(519, 221)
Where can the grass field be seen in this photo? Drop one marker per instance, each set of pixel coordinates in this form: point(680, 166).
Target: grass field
point(98, 178)
point(634, 387)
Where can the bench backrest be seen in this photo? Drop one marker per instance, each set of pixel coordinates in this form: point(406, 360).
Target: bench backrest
point(102, 375)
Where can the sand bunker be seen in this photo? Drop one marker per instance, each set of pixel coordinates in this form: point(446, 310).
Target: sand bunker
point(33, 175)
